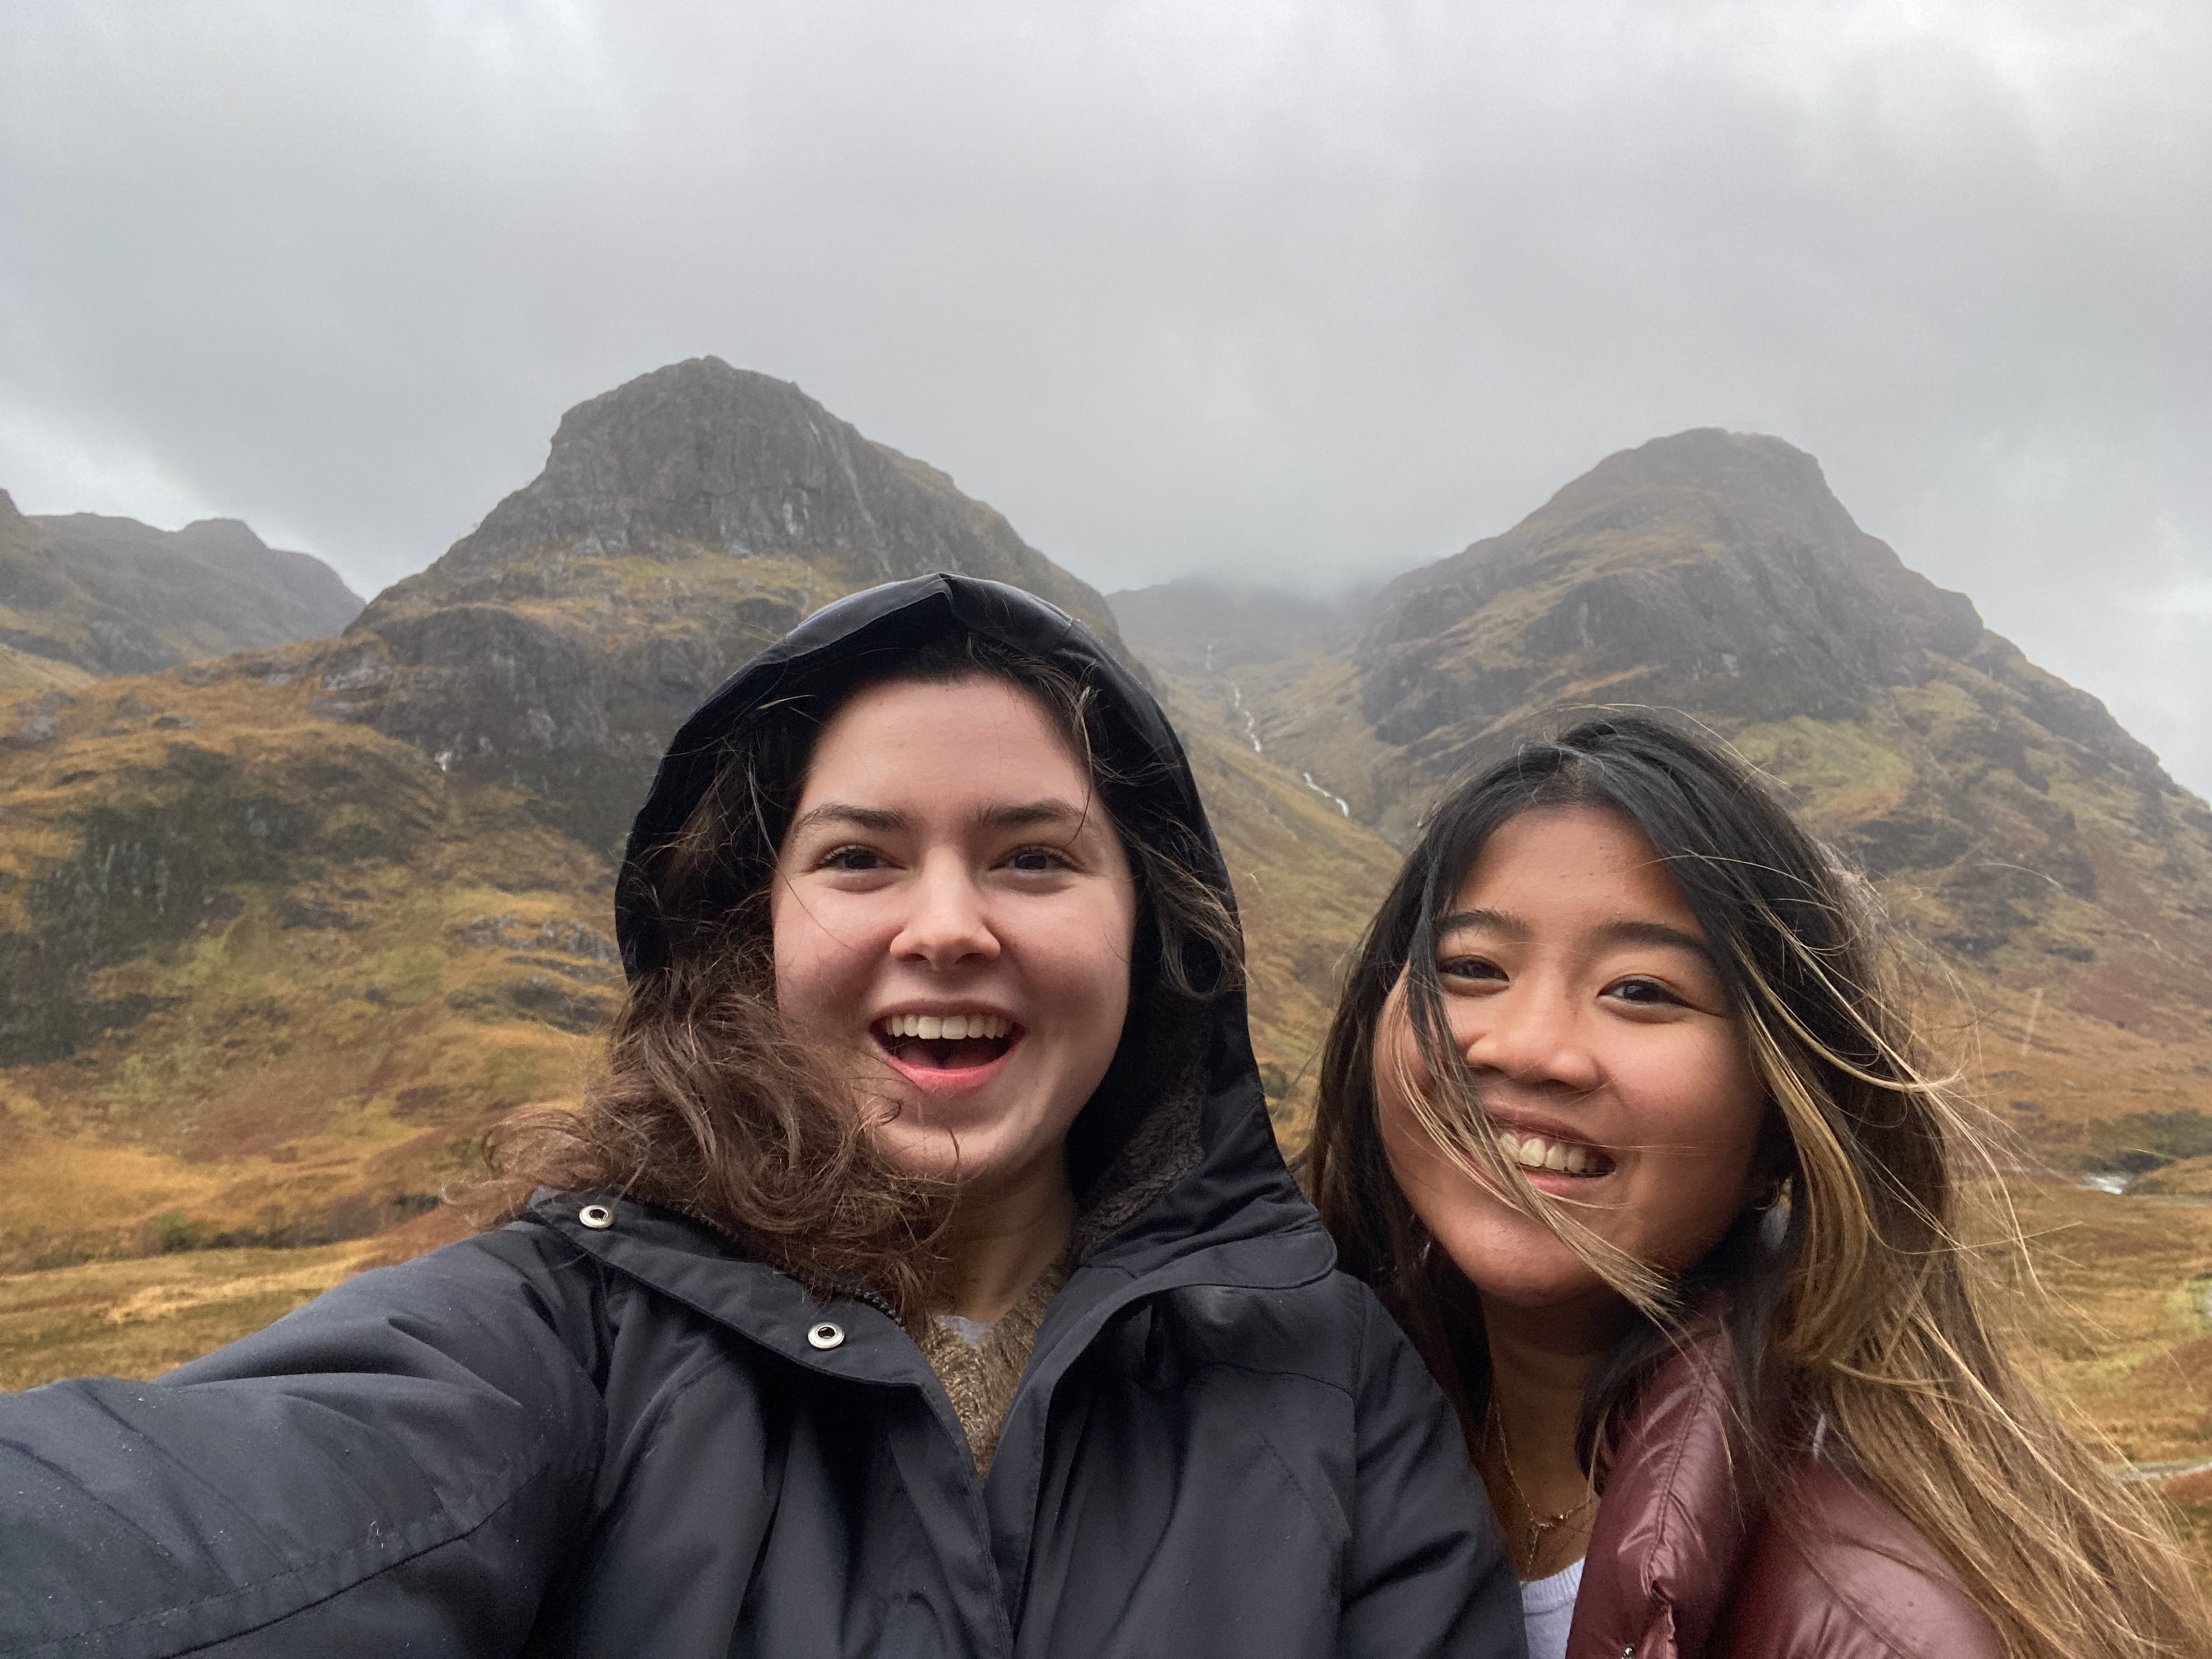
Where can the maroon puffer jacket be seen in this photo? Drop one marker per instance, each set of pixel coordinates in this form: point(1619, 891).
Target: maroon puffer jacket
point(1691, 1558)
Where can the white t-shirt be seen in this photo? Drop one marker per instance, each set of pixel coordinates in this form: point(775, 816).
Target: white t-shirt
point(1547, 1608)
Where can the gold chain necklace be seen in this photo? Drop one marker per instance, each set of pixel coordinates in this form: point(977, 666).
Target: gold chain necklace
point(1540, 1525)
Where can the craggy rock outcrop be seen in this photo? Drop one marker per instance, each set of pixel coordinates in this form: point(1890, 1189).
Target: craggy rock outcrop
point(700, 459)
point(1711, 569)
point(683, 520)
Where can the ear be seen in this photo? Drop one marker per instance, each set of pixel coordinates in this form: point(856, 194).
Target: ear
point(1773, 1160)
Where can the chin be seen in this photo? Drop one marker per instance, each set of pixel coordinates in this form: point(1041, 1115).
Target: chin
point(1521, 1263)
point(1553, 1288)
point(965, 1161)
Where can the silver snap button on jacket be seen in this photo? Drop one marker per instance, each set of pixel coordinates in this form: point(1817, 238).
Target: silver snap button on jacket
point(825, 1335)
point(596, 1216)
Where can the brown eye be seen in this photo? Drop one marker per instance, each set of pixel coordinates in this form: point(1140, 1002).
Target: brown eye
point(1036, 861)
point(853, 858)
point(1645, 994)
point(1470, 968)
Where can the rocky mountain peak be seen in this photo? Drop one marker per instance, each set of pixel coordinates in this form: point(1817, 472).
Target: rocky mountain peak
point(1764, 485)
point(696, 456)
point(205, 536)
point(682, 521)
point(1709, 568)
point(113, 596)
point(698, 460)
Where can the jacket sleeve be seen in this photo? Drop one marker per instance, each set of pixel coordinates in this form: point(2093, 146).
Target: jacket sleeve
point(388, 1470)
point(1429, 1575)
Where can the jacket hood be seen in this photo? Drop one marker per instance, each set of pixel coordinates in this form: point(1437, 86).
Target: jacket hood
point(1202, 1161)
point(882, 622)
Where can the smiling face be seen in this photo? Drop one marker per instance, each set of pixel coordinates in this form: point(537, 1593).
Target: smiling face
point(954, 912)
point(1577, 985)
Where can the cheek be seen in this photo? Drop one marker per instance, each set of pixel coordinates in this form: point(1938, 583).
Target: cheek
point(813, 975)
point(1703, 1138)
point(1443, 1194)
point(1085, 955)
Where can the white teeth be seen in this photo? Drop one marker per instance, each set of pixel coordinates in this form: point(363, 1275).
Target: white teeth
point(947, 1027)
point(1535, 1152)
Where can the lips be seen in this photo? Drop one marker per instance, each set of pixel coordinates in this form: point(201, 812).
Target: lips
point(952, 1047)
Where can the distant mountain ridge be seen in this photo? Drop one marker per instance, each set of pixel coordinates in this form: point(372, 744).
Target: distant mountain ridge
point(100, 595)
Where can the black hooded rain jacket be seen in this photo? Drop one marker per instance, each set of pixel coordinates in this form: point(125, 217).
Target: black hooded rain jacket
point(601, 1429)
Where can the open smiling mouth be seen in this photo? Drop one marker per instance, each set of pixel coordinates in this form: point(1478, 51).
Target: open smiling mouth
point(945, 1042)
point(1539, 1155)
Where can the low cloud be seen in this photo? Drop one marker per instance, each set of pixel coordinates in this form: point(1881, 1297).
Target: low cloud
point(1302, 294)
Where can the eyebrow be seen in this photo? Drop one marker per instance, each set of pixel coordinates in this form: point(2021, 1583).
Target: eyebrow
point(1654, 932)
point(1017, 815)
point(859, 818)
point(1022, 815)
point(1487, 921)
point(1624, 932)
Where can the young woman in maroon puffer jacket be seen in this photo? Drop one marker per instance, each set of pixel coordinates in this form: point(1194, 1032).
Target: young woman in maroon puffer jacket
point(1625, 1114)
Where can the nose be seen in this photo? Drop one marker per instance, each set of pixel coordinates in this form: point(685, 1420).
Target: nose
point(1531, 1035)
point(945, 926)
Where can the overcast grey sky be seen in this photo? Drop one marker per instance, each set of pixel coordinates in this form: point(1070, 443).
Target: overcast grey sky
point(1294, 293)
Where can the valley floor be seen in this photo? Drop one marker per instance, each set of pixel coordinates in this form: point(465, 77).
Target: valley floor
point(2123, 1324)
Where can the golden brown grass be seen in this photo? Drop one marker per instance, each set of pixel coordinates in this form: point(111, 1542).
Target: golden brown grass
point(138, 1318)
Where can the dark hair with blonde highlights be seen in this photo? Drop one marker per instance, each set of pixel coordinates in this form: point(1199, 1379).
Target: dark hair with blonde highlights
point(708, 1106)
point(1856, 1301)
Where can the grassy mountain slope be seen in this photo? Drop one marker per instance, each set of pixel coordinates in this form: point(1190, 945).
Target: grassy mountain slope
point(82, 595)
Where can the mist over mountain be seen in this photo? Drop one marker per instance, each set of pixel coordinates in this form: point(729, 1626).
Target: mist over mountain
point(83, 595)
point(1215, 626)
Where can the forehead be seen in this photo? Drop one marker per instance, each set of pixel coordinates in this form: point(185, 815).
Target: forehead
point(1571, 864)
point(979, 737)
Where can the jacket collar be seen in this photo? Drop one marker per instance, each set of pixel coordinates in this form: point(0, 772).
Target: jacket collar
point(1682, 1504)
point(1234, 1218)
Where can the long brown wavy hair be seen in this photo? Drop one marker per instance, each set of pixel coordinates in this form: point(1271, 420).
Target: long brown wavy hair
point(1857, 1298)
point(707, 1105)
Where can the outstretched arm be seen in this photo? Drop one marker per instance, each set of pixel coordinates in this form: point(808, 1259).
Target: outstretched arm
point(390, 1470)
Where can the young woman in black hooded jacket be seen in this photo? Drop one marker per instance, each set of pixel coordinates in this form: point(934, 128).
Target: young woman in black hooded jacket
point(921, 1277)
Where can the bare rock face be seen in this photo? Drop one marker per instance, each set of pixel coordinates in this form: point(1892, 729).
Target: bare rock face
point(700, 459)
point(113, 596)
point(1713, 569)
point(683, 521)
